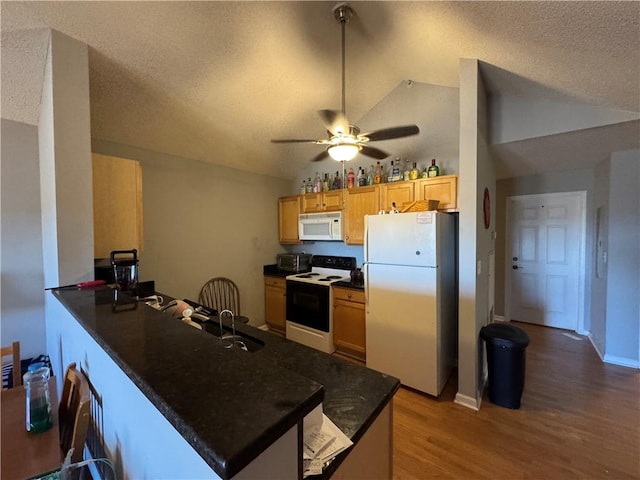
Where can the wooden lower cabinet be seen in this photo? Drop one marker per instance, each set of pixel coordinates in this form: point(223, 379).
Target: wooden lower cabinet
point(349, 322)
point(275, 303)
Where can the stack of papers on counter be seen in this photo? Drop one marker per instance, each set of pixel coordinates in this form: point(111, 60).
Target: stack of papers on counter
point(322, 441)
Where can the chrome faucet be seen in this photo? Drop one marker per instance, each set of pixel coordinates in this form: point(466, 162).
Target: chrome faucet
point(233, 331)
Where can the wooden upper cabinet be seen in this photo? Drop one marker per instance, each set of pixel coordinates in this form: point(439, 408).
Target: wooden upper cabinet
point(398, 192)
point(117, 205)
point(444, 189)
point(322, 202)
point(288, 210)
point(359, 202)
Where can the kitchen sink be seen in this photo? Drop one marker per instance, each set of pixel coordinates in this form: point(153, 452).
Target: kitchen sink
point(248, 343)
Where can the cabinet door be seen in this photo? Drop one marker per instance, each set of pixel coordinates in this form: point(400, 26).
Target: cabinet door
point(399, 192)
point(275, 303)
point(288, 210)
point(349, 330)
point(117, 205)
point(312, 202)
point(444, 189)
point(332, 201)
point(360, 202)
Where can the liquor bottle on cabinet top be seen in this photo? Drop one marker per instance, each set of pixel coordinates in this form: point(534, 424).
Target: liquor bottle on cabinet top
point(434, 170)
point(317, 186)
point(370, 176)
point(396, 170)
point(325, 183)
point(413, 174)
point(337, 182)
point(362, 178)
point(351, 178)
point(309, 186)
point(303, 189)
point(406, 173)
point(377, 174)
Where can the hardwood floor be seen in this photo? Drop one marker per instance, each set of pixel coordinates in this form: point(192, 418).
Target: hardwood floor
point(579, 418)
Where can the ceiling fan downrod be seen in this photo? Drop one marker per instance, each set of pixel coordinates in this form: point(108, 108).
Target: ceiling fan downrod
point(343, 14)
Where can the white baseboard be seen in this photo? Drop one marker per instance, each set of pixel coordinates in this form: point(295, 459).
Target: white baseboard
point(622, 361)
point(595, 347)
point(467, 401)
point(498, 318)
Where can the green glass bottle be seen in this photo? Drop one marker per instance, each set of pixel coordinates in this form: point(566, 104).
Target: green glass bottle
point(434, 170)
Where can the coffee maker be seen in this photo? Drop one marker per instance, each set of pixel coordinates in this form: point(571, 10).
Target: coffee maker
point(125, 269)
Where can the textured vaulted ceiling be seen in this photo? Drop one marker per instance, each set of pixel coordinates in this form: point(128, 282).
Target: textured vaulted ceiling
point(214, 81)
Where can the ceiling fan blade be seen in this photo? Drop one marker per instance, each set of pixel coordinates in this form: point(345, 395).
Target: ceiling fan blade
point(373, 152)
point(321, 156)
point(392, 132)
point(334, 121)
point(293, 140)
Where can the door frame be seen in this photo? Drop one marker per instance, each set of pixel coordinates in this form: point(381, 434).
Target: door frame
point(582, 233)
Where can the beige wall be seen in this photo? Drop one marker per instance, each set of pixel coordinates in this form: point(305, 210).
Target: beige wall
point(203, 220)
point(477, 171)
point(22, 282)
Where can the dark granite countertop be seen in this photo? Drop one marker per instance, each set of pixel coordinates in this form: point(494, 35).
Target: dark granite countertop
point(273, 271)
point(355, 286)
point(277, 385)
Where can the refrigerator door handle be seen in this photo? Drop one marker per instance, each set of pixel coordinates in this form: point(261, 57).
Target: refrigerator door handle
point(365, 273)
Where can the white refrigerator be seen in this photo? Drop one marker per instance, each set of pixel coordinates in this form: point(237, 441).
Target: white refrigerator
point(411, 297)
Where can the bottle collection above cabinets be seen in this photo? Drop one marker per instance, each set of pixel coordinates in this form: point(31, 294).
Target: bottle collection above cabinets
point(357, 202)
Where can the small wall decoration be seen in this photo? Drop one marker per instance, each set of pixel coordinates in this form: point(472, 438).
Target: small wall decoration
point(487, 208)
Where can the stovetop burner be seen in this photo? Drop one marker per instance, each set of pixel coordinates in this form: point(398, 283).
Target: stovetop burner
point(324, 271)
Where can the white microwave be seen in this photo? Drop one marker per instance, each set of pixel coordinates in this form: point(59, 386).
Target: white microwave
point(320, 226)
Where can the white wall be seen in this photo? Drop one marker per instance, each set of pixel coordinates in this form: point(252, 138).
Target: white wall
point(65, 164)
point(477, 172)
point(203, 220)
point(597, 323)
point(517, 118)
point(623, 267)
point(22, 282)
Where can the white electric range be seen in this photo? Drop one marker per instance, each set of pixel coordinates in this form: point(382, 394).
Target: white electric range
point(310, 300)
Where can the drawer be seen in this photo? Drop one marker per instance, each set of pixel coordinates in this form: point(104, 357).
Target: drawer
point(348, 294)
point(275, 281)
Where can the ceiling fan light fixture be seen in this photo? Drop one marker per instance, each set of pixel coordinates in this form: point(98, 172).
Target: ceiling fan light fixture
point(343, 152)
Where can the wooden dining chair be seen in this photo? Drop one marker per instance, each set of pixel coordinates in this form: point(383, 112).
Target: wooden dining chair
point(14, 350)
point(73, 413)
point(220, 293)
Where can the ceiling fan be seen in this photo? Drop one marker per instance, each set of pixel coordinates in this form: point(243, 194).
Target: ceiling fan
point(345, 140)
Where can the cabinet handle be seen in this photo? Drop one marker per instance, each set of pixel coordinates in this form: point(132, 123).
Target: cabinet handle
point(349, 295)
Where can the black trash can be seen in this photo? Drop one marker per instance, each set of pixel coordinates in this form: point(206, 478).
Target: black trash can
point(506, 348)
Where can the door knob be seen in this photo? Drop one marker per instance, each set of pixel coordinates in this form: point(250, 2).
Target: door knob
point(515, 267)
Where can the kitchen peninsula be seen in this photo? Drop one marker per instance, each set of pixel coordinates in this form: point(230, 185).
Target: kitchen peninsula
point(177, 404)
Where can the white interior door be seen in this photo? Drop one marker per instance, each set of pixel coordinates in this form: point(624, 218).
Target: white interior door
point(544, 261)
